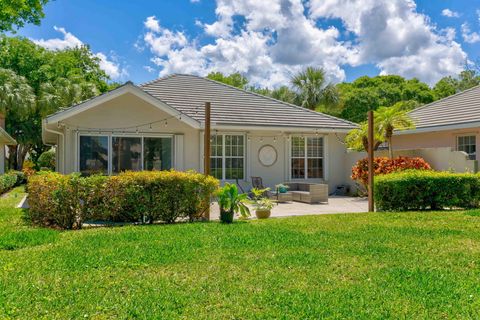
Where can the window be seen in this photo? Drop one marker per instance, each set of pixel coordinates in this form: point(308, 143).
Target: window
point(157, 153)
point(93, 154)
point(468, 144)
point(227, 157)
point(306, 157)
point(124, 153)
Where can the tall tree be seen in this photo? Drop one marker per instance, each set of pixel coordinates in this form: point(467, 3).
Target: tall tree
point(449, 85)
point(15, 14)
point(17, 99)
point(63, 76)
point(369, 93)
point(285, 94)
point(388, 119)
point(313, 89)
point(63, 93)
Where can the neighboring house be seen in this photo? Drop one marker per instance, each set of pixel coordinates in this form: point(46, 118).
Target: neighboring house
point(452, 122)
point(159, 125)
point(5, 140)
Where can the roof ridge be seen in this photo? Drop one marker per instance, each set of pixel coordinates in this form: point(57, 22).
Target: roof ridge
point(157, 80)
point(446, 98)
point(270, 98)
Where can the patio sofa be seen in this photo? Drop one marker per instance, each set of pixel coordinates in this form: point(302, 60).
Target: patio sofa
point(308, 192)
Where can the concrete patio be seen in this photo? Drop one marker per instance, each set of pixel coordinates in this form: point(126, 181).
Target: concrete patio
point(336, 204)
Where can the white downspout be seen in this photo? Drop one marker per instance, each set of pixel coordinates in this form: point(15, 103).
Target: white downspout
point(63, 147)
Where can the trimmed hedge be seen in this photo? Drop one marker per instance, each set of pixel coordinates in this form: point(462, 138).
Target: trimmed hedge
point(66, 201)
point(7, 182)
point(427, 190)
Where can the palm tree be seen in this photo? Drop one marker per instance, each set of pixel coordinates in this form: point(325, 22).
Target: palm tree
point(388, 119)
point(63, 93)
point(15, 92)
point(313, 89)
point(17, 100)
point(357, 139)
point(284, 93)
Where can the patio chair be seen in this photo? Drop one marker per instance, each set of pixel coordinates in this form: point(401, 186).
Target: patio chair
point(257, 183)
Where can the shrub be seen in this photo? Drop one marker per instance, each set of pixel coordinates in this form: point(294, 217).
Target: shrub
point(423, 190)
point(7, 182)
point(28, 168)
point(47, 160)
point(384, 165)
point(54, 200)
point(21, 178)
point(67, 201)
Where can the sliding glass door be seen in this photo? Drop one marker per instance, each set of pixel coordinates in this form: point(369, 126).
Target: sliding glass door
point(94, 155)
point(114, 154)
point(157, 153)
point(127, 154)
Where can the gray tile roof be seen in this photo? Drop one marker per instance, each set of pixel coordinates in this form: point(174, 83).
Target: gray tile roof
point(460, 108)
point(232, 106)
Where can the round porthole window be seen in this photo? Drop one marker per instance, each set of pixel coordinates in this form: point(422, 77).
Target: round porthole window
point(267, 155)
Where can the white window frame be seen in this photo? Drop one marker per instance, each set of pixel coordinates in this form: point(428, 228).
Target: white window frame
point(306, 157)
point(467, 135)
point(110, 137)
point(224, 157)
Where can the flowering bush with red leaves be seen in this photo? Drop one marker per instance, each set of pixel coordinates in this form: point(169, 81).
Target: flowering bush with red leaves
point(384, 165)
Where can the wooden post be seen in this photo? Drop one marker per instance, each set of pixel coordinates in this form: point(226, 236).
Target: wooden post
point(206, 150)
point(371, 143)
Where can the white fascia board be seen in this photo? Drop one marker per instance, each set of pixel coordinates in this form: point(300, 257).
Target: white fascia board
point(128, 88)
point(440, 128)
point(285, 129)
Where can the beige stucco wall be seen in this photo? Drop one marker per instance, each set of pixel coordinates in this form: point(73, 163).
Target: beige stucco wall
point(128, 110)
point(446, 138)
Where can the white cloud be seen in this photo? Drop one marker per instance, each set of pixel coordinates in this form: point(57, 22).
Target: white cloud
point(194, 1)
point(149, 69)
point(110, 66)
point(68, 41)
point(468, 35)
point(152, 24)
point(450, 14)
point(269, 40)
point(391, 33)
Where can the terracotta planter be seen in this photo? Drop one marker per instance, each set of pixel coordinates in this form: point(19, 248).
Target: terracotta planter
point(226, 216)
point(263, 214)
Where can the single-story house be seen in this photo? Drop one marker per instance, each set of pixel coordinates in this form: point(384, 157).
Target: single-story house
point(159, 125)
point(452, 122)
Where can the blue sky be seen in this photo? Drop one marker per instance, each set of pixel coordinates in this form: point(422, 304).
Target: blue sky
point(267, 40)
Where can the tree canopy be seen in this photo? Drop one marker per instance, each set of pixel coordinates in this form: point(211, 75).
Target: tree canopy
point(370, 93)
point(450, 85)
point(55, 79)
point(234, 79)
point(15, 14)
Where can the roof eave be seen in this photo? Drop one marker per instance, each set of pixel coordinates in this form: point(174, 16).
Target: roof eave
point(447, 127)
point(283, 128)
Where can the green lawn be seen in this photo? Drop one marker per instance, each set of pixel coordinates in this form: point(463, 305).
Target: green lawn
point(364, 266)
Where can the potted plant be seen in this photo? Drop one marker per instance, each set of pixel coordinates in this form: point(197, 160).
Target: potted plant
point(231, 202)
point(262, 204)
point(282, 188)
